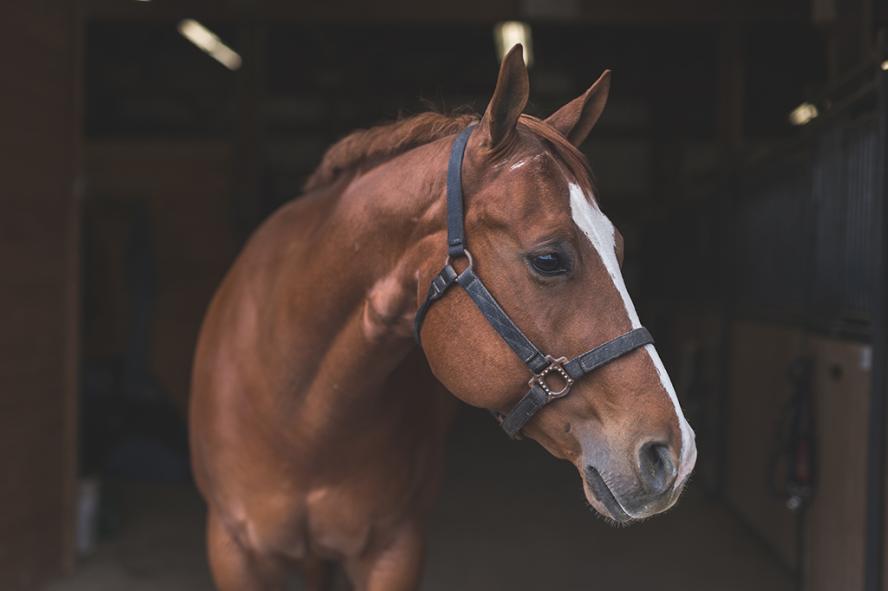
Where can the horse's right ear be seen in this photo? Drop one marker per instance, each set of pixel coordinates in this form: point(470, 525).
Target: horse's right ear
point(508, 101)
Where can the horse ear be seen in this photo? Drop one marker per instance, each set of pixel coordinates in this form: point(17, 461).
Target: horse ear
point(577, 118)
point(508, 101)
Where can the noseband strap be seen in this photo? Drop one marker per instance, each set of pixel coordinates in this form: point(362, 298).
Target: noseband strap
point(552, 377)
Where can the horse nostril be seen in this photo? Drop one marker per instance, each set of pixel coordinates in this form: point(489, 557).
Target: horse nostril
point(656, 468)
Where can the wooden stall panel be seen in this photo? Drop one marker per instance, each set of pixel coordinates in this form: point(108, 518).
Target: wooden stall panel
point(181, 191)
point(835, 519)
point(759, 389)
point(39, 146)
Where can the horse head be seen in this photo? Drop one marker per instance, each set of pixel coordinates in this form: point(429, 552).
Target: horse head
point(552, 259)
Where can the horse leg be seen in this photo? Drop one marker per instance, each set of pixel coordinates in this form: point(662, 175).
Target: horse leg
point(396, 567)
point(235, 567)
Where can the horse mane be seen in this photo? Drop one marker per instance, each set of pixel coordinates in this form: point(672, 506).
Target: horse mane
point(365, 148)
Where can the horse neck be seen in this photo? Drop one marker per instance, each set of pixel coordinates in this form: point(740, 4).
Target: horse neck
point(360, 300)
point(387, 220)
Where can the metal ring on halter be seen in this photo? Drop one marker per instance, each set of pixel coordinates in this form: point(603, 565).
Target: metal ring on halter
point(465, 253)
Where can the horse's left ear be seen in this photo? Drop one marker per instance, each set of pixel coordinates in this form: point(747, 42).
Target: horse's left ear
point(577, 118)
point(508, 101)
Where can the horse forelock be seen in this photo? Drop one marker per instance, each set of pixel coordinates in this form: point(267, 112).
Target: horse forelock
point(577, 164)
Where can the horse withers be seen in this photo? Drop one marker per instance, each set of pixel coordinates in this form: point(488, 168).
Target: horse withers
point(318, 425)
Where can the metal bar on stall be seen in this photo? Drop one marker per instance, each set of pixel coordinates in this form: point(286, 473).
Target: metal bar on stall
point(874, 550)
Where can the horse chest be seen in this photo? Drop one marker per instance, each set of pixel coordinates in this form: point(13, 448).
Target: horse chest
point(346, 519)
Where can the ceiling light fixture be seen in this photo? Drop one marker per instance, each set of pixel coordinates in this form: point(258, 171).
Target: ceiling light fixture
point(507, 34)
point(803, 114)
point(210, 43)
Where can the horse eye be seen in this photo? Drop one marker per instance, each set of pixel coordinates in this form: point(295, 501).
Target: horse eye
point(550, 263)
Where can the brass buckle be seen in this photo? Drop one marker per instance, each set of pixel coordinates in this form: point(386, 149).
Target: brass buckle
point(556, 366)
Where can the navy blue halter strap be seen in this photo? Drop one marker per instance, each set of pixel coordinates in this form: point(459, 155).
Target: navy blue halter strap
point(456, 240)
point(552, 377)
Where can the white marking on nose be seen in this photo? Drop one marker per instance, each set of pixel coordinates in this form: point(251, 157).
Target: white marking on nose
point(600, 232)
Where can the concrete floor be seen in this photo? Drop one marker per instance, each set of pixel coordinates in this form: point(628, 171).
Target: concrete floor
point(510, 517)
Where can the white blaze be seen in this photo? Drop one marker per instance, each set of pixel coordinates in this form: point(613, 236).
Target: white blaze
point(600, 232)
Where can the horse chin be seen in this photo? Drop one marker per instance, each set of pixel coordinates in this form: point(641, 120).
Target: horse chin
point(602, 500)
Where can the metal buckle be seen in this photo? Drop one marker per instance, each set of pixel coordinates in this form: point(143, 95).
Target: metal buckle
point(555, 366)
point(466, 255)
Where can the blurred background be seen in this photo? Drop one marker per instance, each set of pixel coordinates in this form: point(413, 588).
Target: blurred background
point(742, 155)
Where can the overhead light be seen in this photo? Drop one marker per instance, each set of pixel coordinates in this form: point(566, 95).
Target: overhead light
point(884, 66)
point(507, 34)
point(803, 114)
point(210, 43)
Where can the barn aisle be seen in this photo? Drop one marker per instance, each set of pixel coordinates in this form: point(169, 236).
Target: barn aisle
point(510, 517)
point(527, 527)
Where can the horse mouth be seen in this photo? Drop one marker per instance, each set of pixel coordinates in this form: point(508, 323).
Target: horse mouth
point(602, 492)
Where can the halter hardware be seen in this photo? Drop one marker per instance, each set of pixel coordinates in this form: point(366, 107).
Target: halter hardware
point(555, 367)
point(542, 366)
point(465, 254)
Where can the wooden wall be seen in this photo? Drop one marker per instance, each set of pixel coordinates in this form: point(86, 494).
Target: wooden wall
point(835, 521)
point(38, 289)
point(758, 392)
point(184, 190)
point(833, 546)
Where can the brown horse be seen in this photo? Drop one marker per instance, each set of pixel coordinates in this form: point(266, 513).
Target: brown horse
point(318, 425)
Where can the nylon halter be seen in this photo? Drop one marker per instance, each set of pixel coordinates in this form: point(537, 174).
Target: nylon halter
point(541, 366)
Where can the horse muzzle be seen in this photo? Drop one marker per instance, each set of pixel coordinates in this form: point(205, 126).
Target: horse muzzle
point(645, 487)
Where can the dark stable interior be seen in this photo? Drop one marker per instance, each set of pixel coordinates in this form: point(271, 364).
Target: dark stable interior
point(751, 253)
